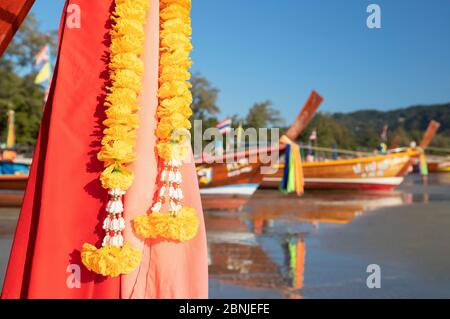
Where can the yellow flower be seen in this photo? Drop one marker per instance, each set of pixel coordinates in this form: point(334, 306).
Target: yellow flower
point(116, 176)
point(175, 11)
point(127, 43)
point(120, 110)
point(128, 26)
point(176, 101)
point(124, 96)
point(183, 227)
point(174, 41)
point(176, 26)
point(183, 3)
point(131, 120)
point(110, 261)
point(128, 61)
point(119, 132)
point(117, 151)
point(174, 73)
point(179, 57)
point(164, 131)
point(172, 151)
point(173, 88)
point(142, 4)
point(130, 10)
point(126, 79)
point(165, 151)
point(181, 108)
point(179, 121)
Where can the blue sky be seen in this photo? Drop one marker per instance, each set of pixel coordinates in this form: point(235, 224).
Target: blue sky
point(254, 50)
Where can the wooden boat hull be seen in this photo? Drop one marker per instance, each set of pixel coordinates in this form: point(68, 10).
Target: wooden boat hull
point(11, 198)
point(227, 197)
point(435, 165)
point(381, 172)
point(13, 182)
point(237, 190)
point(228, 185)
point(439, 167)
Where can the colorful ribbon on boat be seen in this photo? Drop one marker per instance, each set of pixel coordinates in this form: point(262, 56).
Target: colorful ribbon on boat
point(293, 179)
point(423, 166)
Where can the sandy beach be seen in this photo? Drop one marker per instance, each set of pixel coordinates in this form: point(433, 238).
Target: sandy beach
point(320, 245)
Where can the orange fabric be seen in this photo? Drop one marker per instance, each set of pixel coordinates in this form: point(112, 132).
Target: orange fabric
point(12, 14)
point(64, 201)
point(167, 270)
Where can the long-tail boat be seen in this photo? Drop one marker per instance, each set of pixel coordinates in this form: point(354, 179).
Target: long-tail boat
point(364, 173)
point(438, 164)
point(371, 172)
point(238, 175)
point(435, 164)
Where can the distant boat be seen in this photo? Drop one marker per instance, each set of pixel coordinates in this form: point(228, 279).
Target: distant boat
point(436, 164)
point(13, 180)
point(13, 172)
point(381, 172)
point(377, 172)
point(439, 166)
point(239, 178)
point(233, 176)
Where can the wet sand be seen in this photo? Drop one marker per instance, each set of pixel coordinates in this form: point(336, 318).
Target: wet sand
point(319, 245)
point(335, 236)
point(8, 220)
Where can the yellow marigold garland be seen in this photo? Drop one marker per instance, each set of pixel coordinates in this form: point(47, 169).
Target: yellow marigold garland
point(126, 69)
point(180, 223)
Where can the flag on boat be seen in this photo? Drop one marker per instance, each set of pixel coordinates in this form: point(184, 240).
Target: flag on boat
point(44, 74)
point(224, 126)
point(43, 56)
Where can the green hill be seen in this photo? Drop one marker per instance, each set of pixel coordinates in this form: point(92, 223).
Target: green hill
point(361, 129)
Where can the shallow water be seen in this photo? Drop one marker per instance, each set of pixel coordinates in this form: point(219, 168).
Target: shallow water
point(320, 245)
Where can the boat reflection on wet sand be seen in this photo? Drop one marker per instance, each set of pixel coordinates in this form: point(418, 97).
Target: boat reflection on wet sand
point(320, 245)
point(236, 258)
